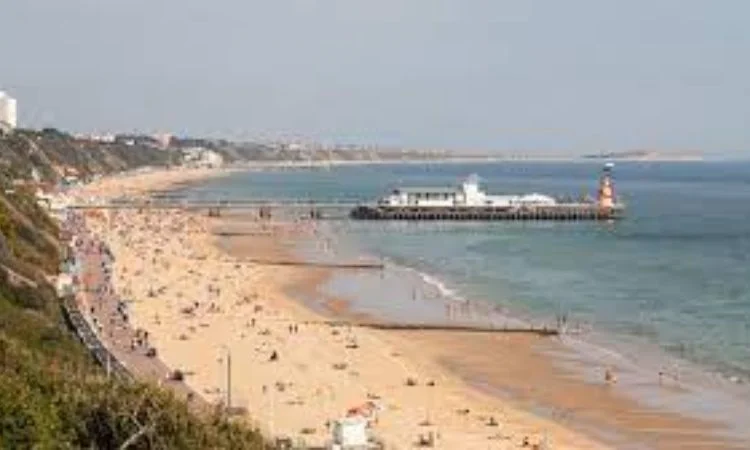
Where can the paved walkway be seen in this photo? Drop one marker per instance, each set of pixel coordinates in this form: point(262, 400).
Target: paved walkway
point(100, 318)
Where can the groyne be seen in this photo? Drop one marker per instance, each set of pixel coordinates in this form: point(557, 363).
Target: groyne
point(468, 328)
point(332, 265)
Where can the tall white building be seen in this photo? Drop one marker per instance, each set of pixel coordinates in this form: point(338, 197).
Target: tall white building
point(8, 111)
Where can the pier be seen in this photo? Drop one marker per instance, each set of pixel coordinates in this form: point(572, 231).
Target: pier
point(215, 203)
point(464, 203)
point(572, 212)
point(215, 207)
point(338, 210)
point(469, 202)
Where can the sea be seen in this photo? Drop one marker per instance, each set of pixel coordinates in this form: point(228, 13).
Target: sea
point(666, 287)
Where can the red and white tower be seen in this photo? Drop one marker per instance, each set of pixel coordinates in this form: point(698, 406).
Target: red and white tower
point(606, 188)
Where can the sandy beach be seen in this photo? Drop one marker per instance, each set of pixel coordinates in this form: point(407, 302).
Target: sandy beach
point(292, 371)
point(295, 372)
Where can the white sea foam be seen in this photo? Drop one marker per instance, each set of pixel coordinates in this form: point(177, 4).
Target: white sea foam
point(437, 284)
point(440, 286)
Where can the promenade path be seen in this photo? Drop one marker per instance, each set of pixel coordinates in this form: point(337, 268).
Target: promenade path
point(100, 318)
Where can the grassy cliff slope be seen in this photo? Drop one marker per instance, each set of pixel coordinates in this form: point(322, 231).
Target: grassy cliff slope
point(52, 394)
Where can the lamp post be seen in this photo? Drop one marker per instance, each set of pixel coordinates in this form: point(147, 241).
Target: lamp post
point(229, 377)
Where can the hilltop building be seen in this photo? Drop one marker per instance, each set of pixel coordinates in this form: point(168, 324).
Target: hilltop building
point(8, 112)
point(137, 139)
point(164, 139)
point(95, 137)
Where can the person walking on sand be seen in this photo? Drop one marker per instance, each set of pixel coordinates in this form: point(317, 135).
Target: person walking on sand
point(609, 376)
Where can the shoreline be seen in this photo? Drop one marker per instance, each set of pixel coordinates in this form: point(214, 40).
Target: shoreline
point(277, 283)
point(308, 295)
point(574, 390)
point(629, 423)
point(316, 367)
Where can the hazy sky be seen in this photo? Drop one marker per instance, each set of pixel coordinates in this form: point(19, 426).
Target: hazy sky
point(573, 75)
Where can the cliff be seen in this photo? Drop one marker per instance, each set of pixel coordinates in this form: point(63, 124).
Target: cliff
point(49, 155)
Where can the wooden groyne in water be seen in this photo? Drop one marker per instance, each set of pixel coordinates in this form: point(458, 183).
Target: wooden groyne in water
point(536, 330)
point(541, 331)
point(325, 265)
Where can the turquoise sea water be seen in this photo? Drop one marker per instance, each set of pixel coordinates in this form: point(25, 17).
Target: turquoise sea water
point(673, 276)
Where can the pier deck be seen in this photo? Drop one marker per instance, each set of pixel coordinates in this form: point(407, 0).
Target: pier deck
point(571, 212)
point(334, 209)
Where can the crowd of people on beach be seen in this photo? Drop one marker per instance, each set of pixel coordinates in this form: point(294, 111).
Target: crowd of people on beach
point(103, 307)
point(154, 279)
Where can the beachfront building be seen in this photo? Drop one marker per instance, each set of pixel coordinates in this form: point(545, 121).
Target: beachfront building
point(55, 204)
point(43, 199)
point(36, 177)
point(212, 159)
point(69, 176)
point(350, 433)
point(64, 285)
point(202, 157)
point(8, 112)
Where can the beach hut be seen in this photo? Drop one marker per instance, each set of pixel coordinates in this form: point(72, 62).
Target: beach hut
point(64, 285)
point(350, 433)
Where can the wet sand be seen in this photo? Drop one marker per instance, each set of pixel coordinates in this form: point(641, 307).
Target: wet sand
point(560, 379)
point(524, 371)
point(295, 373)
point(520, 369)
point(292, 371)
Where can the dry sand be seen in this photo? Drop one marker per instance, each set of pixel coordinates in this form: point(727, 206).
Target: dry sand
point(194, 301)
point(198, 303)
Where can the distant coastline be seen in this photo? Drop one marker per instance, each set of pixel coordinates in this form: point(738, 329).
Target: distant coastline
point(323, 163)
point(644, 155)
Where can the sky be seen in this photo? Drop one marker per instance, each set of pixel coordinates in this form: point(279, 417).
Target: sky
point(533, 76)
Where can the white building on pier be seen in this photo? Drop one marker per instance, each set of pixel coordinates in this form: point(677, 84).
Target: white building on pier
point(467, 194)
